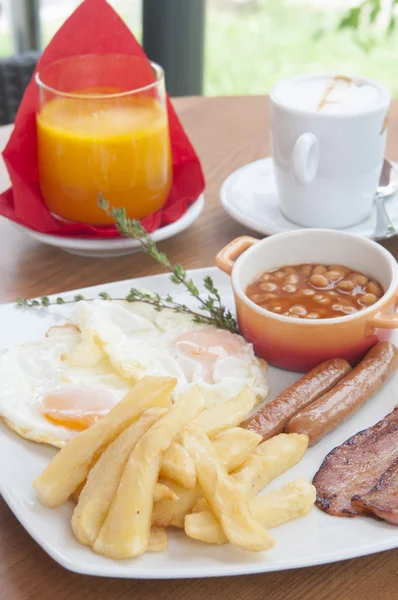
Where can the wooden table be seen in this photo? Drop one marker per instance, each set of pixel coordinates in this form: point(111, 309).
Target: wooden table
point(227, 133)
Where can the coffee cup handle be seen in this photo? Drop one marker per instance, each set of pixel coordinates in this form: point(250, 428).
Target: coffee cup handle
point(226, 258)
point(305, 158)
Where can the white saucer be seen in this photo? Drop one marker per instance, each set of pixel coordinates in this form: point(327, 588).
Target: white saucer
point(249, 196)
point(111, 247)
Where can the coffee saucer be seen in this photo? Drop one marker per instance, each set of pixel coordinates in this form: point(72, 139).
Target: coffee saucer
point(120, 246)
point(249, 196)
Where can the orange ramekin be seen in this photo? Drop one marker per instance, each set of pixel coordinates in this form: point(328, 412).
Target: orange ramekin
point(300, 344)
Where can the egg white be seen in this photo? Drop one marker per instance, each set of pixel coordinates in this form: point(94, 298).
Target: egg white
point(111, 347)
point(30, 371)
point(139, 340)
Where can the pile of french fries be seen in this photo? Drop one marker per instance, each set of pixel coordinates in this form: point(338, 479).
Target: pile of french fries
point(150, 464)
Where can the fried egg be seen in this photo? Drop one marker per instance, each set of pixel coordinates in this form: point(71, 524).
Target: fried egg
point(54, 388)
point(138, 340)
point(44, 399)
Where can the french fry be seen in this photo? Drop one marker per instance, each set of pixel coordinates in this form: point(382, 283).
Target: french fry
point(292, 501)
point(178, 466)
point(225, 497)
point(125, 532)
point(203, 526)
point(270, 459)
point(234, 445)
point(70, 467)
point(104, 478)
point(157, 540)
point(76, 494)
point(167, 513)
point(271, 509)
point(164, 492)
point(201, 505)
point(229, 414)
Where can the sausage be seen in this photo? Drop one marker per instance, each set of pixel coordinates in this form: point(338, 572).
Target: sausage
point(336, 406)
point(271, 418)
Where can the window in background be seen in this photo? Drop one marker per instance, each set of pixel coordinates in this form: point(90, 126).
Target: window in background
point(251, 44)
point(53, 13)
point(6, 39)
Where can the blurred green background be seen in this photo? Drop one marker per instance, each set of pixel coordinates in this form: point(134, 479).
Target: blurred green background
point(251, 44)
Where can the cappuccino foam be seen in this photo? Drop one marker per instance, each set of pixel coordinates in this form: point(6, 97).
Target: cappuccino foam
point(328, 95)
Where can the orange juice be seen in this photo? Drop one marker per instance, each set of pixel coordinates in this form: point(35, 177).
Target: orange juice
point(116, 146)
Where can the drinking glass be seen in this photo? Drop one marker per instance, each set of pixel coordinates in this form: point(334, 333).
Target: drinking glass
point(102, 128)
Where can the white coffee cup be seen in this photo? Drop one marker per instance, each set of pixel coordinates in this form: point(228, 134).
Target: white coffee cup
point(328, 135)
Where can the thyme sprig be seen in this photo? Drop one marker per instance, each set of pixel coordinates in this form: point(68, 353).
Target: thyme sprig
point(218, 314)
point(211, 310)
point(134, 295)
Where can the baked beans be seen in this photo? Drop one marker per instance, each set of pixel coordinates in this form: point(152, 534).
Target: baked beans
point(311, 291)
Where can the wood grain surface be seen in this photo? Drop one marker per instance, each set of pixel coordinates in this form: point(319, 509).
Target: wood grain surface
point(227, 133)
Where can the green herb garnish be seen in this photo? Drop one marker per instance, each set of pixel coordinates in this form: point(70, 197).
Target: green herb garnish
point(211, 310)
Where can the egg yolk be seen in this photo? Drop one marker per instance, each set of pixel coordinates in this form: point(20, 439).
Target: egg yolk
point(206, 346)
point(76, 408)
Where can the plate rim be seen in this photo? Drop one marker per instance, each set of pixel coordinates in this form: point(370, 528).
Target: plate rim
point(185, 571)
point(109, 244)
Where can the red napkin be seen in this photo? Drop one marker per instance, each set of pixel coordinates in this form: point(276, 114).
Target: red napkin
point(94, 28)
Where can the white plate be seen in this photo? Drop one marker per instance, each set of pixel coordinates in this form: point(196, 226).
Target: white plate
point(315, 539)
point(249, 196)
point(111, 247)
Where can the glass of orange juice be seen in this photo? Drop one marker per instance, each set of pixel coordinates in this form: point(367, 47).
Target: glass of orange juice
point(102, 128)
